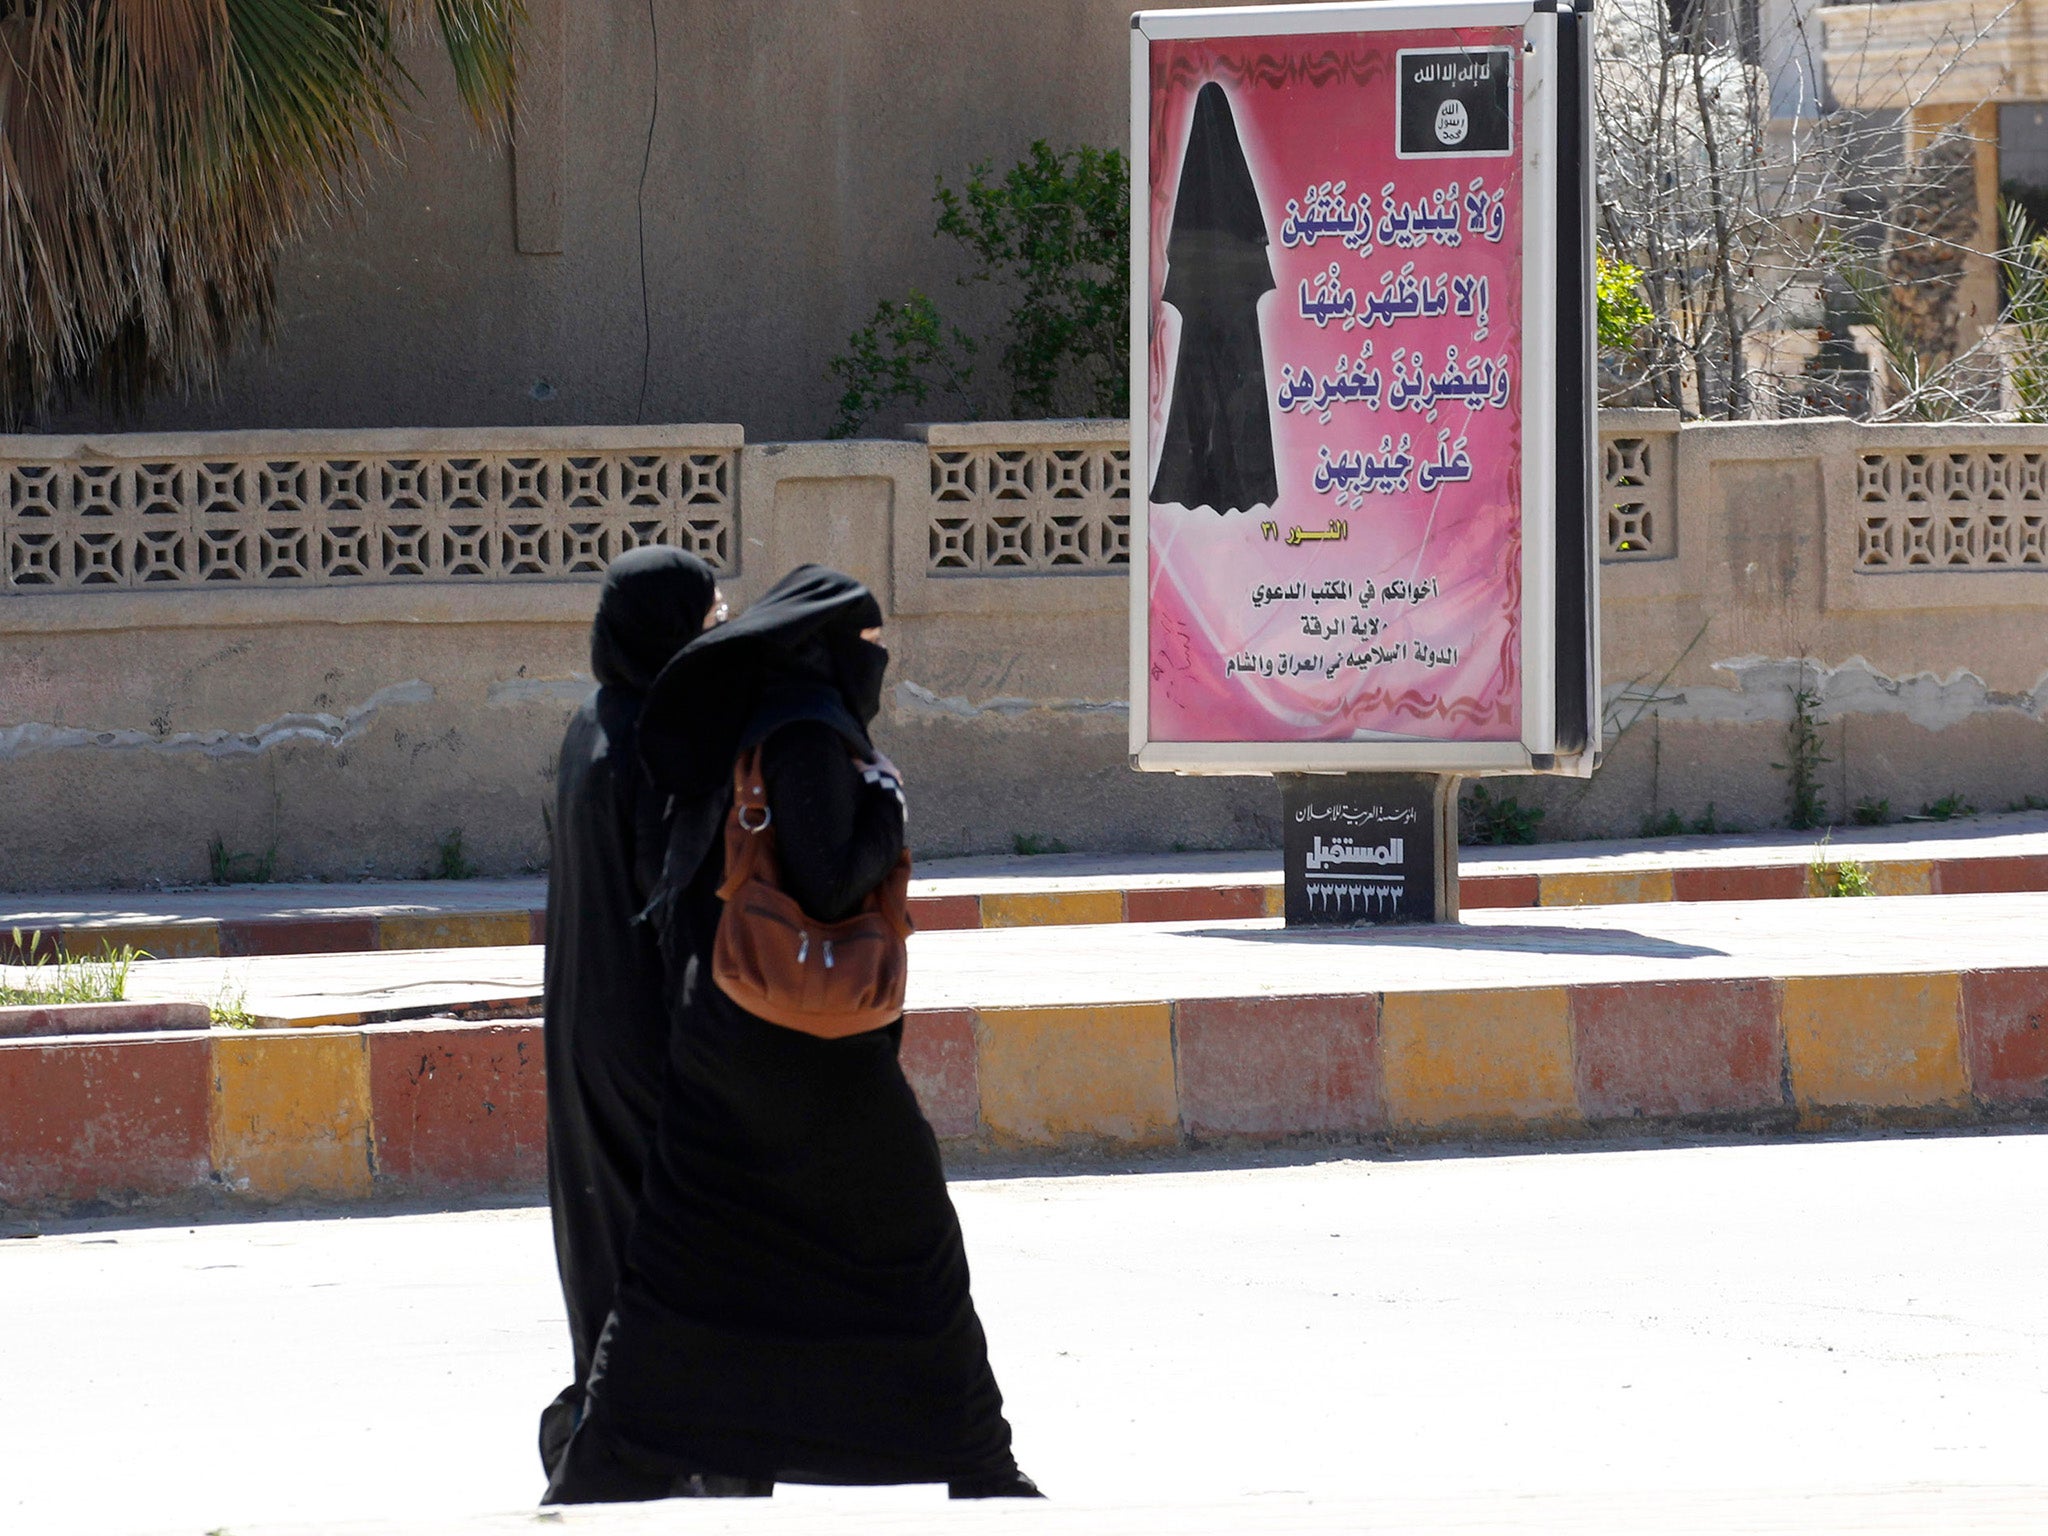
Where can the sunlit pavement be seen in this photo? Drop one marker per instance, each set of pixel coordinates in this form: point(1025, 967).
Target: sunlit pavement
point(1827, 1335)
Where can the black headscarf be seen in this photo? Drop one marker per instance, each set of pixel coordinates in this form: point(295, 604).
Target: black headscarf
point(796, 654)
point(653, 604)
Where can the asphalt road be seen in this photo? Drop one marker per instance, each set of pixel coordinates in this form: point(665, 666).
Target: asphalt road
point(1752, 1326)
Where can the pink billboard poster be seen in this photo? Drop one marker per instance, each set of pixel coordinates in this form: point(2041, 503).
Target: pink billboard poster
point(1335, 445)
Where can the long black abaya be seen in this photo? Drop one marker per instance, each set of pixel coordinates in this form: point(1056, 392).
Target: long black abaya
point(607, 1011)
point(795, 1305)
point(1218, 448)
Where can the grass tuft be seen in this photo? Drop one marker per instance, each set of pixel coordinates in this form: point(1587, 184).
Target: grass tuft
point(449, 861)
point(63, 977)
point(1030, 844)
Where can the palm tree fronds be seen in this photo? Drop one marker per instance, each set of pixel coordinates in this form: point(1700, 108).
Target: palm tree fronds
point(156, 156)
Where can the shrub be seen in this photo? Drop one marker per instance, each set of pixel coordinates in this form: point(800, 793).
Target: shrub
point(1054, 232)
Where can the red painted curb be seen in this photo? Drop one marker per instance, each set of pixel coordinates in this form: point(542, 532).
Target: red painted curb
point(940, 914)
point(1194, 903)
point(1667, 1049)
point(105, 1117)
point(2002, 875)
point(1740, 882)
point(1478, 891)
point(297, 935)
point(458, 1108)
point(939, 1059)
point(101, 1019)
point(2005, 1035)
point(1274, 1067)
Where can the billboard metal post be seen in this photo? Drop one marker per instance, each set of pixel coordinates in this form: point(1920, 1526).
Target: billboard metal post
point(1362, 421)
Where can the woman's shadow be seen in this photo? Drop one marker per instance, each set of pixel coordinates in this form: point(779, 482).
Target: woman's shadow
point(1520, 939)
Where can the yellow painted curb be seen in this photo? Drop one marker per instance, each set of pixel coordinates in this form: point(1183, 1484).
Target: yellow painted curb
point(1276, 901)
point(316, 1021)
point(1049, 909)
point(1875, 1042)
point(290, 1114)
point(454, 930)
point(1454, 1059)
point(1888, 877)
point(1103, 1073)
point(1605, 888)
point(160, 941)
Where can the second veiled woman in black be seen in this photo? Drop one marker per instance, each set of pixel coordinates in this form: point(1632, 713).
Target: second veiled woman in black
point(795, 1305)
point(606, 1037)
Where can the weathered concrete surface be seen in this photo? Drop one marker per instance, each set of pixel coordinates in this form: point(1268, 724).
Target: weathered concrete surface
point(1829, 1336)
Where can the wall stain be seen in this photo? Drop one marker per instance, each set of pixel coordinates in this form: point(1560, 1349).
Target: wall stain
point(922, 703)
point(539, 690)
point(1764, 686)
point(320, 729)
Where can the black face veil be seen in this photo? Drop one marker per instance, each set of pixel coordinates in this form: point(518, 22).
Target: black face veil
point(1218, 450)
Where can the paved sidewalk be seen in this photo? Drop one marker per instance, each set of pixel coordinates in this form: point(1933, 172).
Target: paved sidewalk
point(1985, 854)
point(1157, 962)
point(1766, 1512)
point(1835, 1336)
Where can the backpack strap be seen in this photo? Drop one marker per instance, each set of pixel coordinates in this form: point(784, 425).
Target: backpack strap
point(749, 834)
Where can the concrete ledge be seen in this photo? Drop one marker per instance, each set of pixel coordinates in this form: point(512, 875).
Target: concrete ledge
point(101, 1019)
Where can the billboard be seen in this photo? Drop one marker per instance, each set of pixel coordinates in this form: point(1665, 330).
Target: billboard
point(1362, 427)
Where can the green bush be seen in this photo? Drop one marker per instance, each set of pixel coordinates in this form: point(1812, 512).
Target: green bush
point(1847, 878)
point(1623, 313)
point(1947, 808)
point(1054, 234)
point(1483, 820)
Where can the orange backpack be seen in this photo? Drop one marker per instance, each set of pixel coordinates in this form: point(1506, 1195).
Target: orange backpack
point(781, 964)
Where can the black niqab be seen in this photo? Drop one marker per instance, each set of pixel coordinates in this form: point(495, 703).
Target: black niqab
point(1218, 448)
point(608, 995)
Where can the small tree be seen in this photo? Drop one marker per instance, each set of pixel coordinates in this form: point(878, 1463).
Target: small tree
point(1054, 235)
point(1743, 222)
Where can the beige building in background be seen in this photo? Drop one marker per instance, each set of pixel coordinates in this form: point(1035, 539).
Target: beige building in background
point(1977, 67)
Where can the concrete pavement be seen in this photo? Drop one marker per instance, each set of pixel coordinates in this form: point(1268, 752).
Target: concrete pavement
point(2006, 853)
point(1044, 967)
point(1840, 1336)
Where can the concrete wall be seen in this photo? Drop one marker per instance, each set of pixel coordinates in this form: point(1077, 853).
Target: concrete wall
point(788, 187)
point(243, 667)
point(275, 690)
point(1900, 573)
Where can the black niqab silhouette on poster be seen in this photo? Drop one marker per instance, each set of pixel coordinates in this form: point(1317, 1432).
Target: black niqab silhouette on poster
point(1218, 451)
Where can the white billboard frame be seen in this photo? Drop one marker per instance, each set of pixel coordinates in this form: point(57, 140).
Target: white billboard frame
point(1537, 748)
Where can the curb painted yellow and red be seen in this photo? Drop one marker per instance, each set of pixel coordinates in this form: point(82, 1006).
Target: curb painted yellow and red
point(211, 938)
point(459, 1108)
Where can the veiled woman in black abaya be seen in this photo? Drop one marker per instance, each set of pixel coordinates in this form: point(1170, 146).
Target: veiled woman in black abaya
point(606, 1034)
point(795, 1304)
